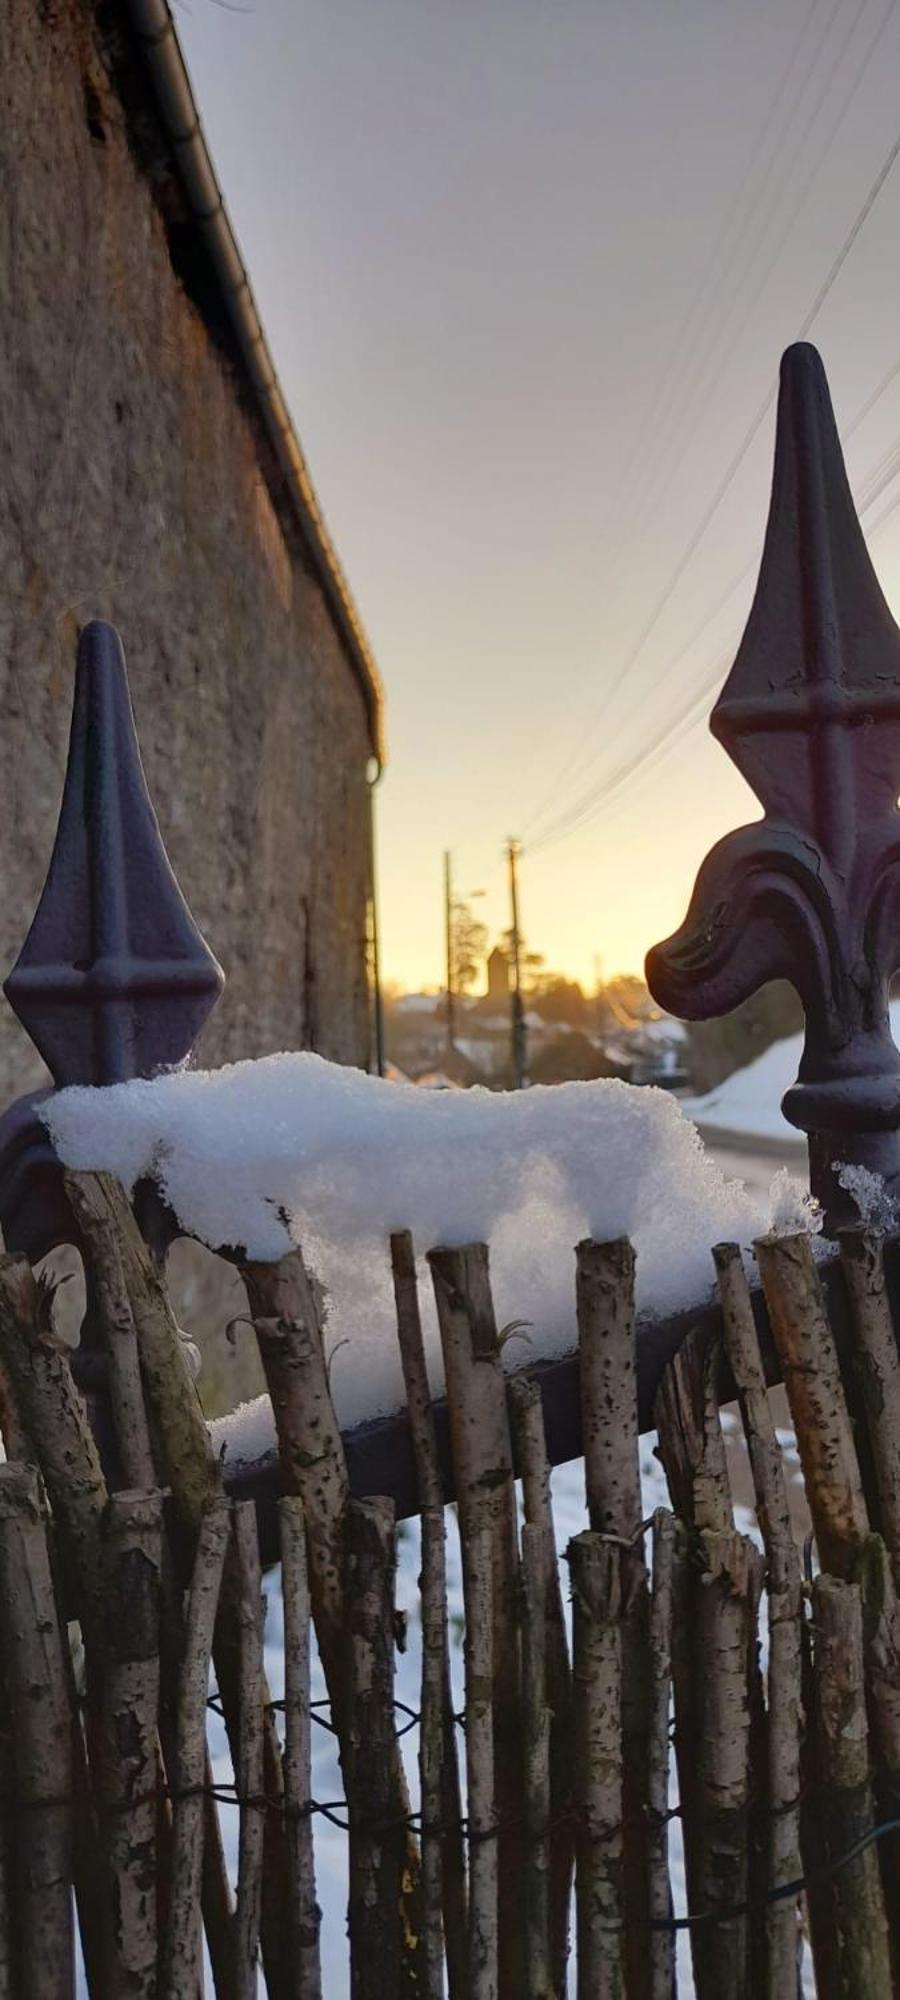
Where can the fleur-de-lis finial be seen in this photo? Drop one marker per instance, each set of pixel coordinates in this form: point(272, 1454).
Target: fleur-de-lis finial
point(810, 714)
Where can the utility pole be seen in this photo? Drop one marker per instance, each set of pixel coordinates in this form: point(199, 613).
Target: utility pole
point(448, 936)
point(517, 1023)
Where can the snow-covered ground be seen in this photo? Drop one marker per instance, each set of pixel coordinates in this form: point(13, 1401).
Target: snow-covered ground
point(749, 1102)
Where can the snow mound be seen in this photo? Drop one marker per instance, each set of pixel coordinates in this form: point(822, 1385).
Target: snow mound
point(295, 1149)
point(749, 1101)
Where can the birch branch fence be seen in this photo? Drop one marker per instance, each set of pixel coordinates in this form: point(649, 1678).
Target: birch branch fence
point(738, 1689)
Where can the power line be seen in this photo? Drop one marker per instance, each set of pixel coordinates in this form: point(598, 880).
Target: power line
point(692, 712)
point(754, 428)
point(578, 756)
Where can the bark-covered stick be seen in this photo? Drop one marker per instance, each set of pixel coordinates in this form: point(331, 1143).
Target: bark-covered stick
point(97, 1218)
point(659, 1898)
point(57, 1423)
point(691, 1445)
point(378, 1840)
point(304, 1914)
point(181, 1954)
point(595, 1567)
point(431, 1743)
point(725, 1598)
point(878, 1364)
point(289, 1332)
point(845, 1805)
point(604, 1296)
point(812, 1379)
point(189, 1464)
point(482, 1457)
point(250, 1774)
point(526, 1416)
point(42, 1744)
point(129, 1749)
point(785, 1609)
point(435, 1636)
point(483, 1914)
point(536, 1759)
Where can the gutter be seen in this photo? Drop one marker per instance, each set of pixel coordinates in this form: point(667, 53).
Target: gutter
point(154, 28)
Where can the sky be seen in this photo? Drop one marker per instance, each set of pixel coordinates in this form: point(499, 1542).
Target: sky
point(526, 268)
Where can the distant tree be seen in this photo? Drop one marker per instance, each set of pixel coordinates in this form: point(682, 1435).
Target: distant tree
point(558, 999)
point(468, 943)
point(717, 1048)
point(572, 1058)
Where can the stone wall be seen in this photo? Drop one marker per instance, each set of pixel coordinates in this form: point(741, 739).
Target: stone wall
point(136, 484)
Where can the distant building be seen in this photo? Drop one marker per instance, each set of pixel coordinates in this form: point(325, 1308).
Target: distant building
point(498, 974)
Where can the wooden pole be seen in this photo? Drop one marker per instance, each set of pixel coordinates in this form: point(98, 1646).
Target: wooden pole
point(482, 1455)
point(878, 1363)
point(250, 1767)
point(536, 1765)
point(659, 1899)
point(532, 1467)
point(720, 1800)
point(304, 1914)
point(129, 1750)
point(180, 1969)
point(478, 1555)
point(42, 1744)
point(443, 1866)
point(785, 1709)
point(595, 1568)
point(812, 1379)
point(845, 1803)
point(604, 1296)
point(379, 1963)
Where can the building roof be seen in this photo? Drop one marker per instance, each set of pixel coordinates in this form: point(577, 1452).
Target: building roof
point(175, 103)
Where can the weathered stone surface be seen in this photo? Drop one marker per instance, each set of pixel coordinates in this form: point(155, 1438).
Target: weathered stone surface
point(135, 485)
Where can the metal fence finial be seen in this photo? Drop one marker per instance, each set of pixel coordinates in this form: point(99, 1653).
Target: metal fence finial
point(114, 979)
point(810, 714)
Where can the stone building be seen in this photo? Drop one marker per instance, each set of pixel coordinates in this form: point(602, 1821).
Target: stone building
point(150, 475)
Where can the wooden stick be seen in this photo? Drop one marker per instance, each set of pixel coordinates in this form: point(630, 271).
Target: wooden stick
point(721, 1797)
point(478, 1555)
point(56, 1421)
point(812, 1379)
point(878, 1363)
point(129, 1752)
point(691, 1445)
point(181, 1953)
point(378, 1960)
point(526, 1416)
point(42, 1743)
point(250, 1772)
point(659, 1899)
point(482, 1455)
point(431, 1743)
point(604, 1294)
point(785, 1707)
point(845, 1797)
point(446, 1864)
point(98, 1222)
point(536, 1764)
point(304, 1912)
point(595, 1567)
point(286, 1318)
